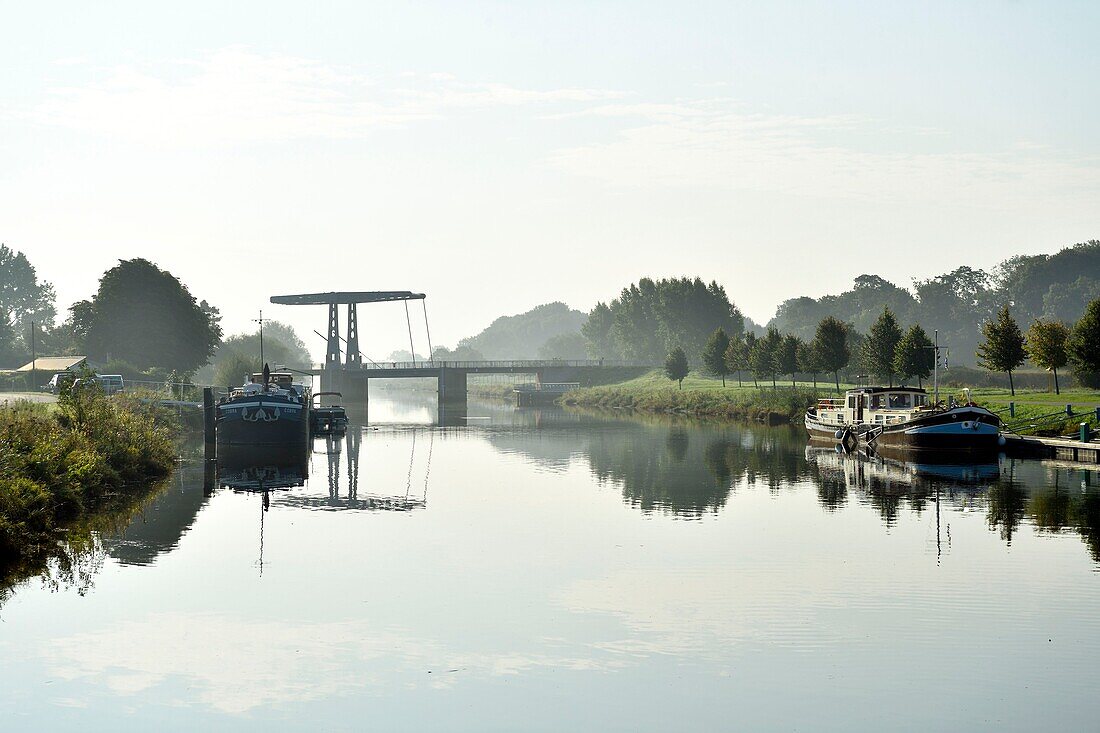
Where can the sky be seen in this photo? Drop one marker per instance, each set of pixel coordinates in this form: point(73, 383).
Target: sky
point(500, 155)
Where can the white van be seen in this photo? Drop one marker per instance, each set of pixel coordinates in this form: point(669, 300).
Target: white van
point(111, 383)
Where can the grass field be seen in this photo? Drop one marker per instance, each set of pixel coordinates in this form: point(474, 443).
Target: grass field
point(705, 395)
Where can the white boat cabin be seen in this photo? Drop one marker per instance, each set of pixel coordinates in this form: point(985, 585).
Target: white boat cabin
point(874, 406)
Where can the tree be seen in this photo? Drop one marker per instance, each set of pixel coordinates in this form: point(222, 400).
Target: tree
point(914, 356)
point(881, 344)
point(676, 366)
point(746, 355)
point(1083, 346)
point(1003, 348)
point(831, 346)
point(564, 346)
point(764, 358)
point(809, 360)
point(652, 316)
point(10, 354)
point(236, 367)
point(787, 361)
point(714, 354)
point(735, 358)
point(597, 333)
point(1046, 345)
point(22, 296)
point(147, 317)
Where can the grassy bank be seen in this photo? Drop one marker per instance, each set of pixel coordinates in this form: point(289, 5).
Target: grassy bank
point(702, 396)
point(62, 465)
point(705, 396)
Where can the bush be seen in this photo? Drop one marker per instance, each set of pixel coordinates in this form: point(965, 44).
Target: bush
point(56, 467)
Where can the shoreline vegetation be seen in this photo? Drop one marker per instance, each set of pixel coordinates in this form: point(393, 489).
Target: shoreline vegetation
point(704, 396)
point(71, 470)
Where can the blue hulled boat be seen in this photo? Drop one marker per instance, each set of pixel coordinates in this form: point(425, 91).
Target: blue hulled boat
point(269, 410)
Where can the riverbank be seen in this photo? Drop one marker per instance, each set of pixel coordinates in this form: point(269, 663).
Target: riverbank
point(63, 465)
point(704, 396)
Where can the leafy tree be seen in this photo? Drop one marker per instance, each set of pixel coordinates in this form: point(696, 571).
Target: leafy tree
point(714, 354)
point(735, 358)
point(282, 347)
point(22, 296)
point(460, 353)
point(1046, 345)
point(764, 358)
point(809, 360)
point(1083, 346)
point(597, 333)
point(881, 344)
point(147, 317)
point(914, 356)
point(520, 336)
point(746, 355)
point(10, 353)
point(564, 346)
point(235, 368)
point(652, 316)
point(676, 366)
point(1003, 348)
point(788, 355)
point(831, 346)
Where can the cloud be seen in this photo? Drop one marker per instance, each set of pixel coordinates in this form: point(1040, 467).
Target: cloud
point(234, 664)
point(235, 95)
point(716, 143)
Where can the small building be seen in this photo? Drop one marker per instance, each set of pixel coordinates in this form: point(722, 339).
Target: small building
point(55, 364)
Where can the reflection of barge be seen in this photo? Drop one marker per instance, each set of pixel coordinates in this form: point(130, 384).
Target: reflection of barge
point(269, 410)
point(253, 468)
point(902, 417)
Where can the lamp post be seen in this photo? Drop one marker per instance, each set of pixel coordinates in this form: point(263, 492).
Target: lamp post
point(34, 362)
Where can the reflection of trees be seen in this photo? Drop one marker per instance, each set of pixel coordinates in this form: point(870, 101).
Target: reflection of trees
point(677, 442)
point(78, 555)
point(1007, 504)
point(1059, 508)
point(693, 476)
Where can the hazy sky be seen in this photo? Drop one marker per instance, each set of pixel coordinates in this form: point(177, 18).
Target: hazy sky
point(501, 155)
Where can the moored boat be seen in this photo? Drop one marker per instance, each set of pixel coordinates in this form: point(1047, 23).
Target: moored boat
point(903, 418)
point(268, 410)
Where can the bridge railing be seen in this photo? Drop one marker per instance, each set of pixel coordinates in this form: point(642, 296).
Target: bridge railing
point(511, 364)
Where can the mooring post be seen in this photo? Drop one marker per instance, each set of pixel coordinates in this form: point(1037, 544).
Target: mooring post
point(1012, 409)
point(1069, 410)
point(209, 421)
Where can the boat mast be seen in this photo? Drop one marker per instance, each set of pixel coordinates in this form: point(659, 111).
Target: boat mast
point(936, 369)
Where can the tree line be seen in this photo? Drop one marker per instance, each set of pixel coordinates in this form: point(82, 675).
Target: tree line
point(888, 351)
point(1048, 287)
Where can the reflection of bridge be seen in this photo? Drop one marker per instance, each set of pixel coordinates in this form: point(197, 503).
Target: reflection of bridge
point(351, 375)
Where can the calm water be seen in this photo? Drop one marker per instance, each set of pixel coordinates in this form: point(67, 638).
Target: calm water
point(538, 570)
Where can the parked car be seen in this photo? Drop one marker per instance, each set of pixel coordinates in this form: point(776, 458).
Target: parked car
point(57, 381)
point(111, 383)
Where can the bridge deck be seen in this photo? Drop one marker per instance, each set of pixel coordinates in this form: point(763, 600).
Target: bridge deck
point(408, 369)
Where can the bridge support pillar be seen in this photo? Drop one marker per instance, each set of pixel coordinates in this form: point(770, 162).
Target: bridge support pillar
point(332, 355)
point(353, 360)
point(452, 389)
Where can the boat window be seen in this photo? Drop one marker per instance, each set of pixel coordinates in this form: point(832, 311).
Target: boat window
point(918, 400)
point(851, 401)
point(877, 402)
point(899, 401)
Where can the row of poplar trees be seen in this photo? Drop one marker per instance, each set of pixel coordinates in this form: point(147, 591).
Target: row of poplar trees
point(888, 352)
point(1050, 345)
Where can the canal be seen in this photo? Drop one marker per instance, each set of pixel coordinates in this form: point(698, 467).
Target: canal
point(546, 570)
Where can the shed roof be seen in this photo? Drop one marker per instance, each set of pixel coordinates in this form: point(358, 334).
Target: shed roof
point(53, 363)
